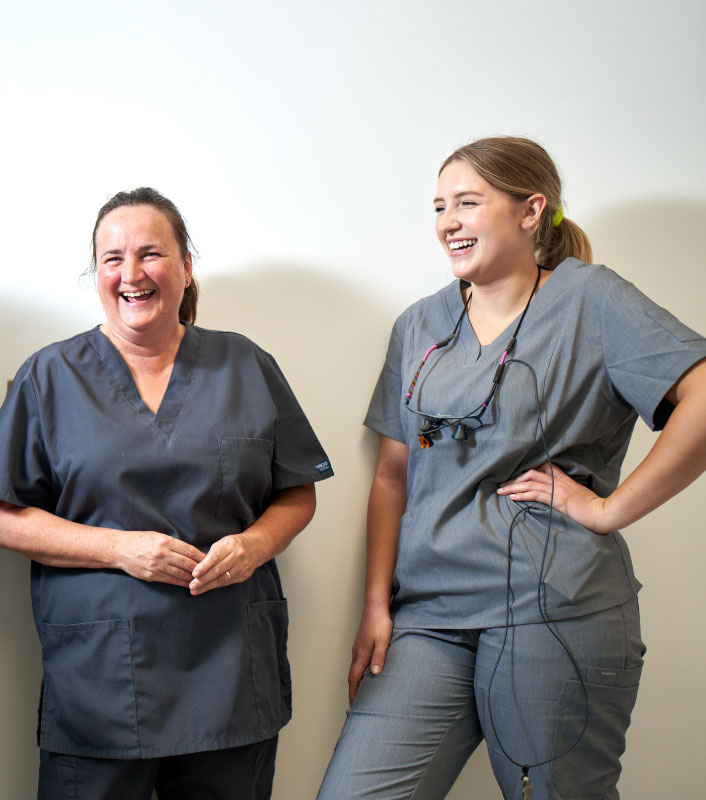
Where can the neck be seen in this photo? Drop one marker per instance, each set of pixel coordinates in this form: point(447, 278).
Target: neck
point(505, 296)
point(151, 352)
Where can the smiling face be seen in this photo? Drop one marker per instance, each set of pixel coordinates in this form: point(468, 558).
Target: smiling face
point(486, 233)
point(141, 273)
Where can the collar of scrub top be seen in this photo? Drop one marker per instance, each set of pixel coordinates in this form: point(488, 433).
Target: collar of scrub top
point(474, 418)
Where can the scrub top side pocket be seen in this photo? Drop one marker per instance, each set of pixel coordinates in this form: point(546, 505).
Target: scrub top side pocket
point(271, 678)
point(88, 698)
point(246, 478)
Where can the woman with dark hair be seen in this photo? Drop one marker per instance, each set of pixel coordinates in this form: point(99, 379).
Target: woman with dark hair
point(152, 470)
point(500, 600)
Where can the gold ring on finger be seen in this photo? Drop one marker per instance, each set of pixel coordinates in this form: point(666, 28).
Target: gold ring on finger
point(227, 574)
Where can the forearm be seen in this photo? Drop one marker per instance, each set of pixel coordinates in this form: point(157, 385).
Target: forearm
point(385, 509)
point(677, 458)
point(286, 516)
point(54, 541)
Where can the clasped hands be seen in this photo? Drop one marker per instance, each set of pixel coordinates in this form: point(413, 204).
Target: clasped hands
point(152, 556)
point(570, 498)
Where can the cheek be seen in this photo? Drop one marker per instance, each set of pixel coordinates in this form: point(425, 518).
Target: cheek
point(106, 283)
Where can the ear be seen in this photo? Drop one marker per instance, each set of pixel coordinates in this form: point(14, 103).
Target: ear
point(187, 269)
point(534, 205)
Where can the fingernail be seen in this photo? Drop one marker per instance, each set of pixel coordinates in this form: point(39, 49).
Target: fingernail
point(375, 669)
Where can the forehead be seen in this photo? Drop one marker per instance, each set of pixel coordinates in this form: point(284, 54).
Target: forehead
point(129, 224)
point(458, 176)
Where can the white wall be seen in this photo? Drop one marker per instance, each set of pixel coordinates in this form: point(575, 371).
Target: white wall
point(301, 142)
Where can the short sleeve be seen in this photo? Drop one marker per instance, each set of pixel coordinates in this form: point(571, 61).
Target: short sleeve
point(646, 350)
point(384, 411)
point(298, 457)
point(25, 471)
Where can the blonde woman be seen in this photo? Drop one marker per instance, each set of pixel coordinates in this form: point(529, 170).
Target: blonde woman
point(500, 598)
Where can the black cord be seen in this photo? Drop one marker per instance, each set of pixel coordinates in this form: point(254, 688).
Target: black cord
point(541, 599)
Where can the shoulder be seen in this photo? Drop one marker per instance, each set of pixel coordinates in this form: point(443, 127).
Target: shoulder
point(229, 341)
point(588, 277)
point(595, 288)
point(58, 354)
point(233, 352)
point(441, 304)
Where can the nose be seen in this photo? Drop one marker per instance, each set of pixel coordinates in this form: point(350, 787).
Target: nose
point(131, 270)
point(447, 221)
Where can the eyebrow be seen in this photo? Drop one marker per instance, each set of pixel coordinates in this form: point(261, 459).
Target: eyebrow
point(458, 194)
point(142, 248)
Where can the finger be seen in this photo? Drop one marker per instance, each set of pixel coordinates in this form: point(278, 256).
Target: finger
point(185, 549)
point(215, 578)
point(213, 572)
point(209, 563)
point(182, 563)
point(359, 663)
point(531, 497)
point(377, 662)
point(526, 486)
point(529, 475)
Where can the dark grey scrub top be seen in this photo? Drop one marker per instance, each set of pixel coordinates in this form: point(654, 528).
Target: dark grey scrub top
point(135, 669)
point(602, 353)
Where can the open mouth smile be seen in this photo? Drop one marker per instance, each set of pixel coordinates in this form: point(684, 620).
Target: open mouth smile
point(461, 245)
point(137, 297)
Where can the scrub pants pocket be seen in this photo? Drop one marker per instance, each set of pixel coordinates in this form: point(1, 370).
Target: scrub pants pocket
point(611, 698)
point(271, 678)
point(88, 695)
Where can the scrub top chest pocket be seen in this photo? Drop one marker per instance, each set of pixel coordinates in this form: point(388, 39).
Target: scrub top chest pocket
point(246, 478)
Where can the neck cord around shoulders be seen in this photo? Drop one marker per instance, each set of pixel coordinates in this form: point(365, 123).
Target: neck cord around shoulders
point(433, 423)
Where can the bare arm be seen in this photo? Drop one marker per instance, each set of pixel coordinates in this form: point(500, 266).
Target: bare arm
point(57, 542)
point(386, 505)
point(677, 458)
point(234, 558)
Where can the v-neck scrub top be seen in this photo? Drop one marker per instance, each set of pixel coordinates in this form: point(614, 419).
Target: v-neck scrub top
point(602, 353)
point(135, 669)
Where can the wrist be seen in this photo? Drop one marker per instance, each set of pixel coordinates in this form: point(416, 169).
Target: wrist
point(376, 601)
point(609, 516)
point(109, 552)
point(256, 544)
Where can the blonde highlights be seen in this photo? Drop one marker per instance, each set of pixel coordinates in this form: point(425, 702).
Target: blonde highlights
point(521, 167)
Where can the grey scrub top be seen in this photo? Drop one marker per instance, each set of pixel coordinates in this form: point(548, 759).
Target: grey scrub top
point(602, 353)
point(135, 669)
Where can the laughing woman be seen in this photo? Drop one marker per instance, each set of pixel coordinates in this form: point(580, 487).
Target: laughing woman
point(500, 599)
point(152, 470)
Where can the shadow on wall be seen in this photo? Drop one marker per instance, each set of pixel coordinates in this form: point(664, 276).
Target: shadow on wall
point(23, 330)
point(658, 246)
point(330, 336)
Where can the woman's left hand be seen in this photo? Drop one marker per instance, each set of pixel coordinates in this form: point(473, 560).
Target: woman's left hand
point(232, 559)
point(570, 498)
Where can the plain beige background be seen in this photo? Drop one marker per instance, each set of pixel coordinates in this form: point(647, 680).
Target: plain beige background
point(301, 141)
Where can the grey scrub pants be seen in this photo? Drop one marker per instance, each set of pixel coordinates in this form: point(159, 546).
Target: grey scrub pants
point(237, 773)
point(411, 729)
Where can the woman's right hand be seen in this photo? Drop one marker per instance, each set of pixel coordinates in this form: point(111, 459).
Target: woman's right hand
point(370, 646)
point(152, 556)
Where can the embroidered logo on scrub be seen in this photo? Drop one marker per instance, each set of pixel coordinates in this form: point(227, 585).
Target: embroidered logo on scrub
point(322, 466)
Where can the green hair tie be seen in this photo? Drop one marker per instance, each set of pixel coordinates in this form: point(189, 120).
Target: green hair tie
point(558, 216)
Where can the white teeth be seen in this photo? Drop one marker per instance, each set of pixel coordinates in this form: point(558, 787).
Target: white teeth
point(461, 243)
point(137, 294)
